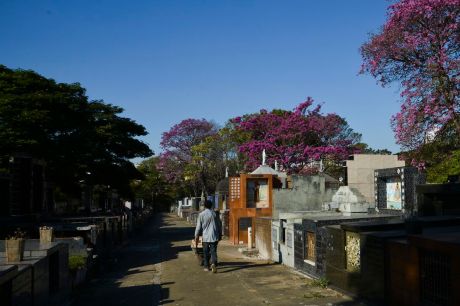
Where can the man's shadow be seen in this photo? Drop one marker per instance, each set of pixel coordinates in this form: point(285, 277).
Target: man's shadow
point(225, 267)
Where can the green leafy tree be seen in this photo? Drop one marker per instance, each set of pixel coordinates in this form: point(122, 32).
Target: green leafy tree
point(177, 161)
point(419, 47)
point(364, 148)
point(154, 188)
point(447, 164)
point(58, 123)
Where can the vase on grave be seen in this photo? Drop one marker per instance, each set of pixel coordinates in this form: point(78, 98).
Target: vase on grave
point(14, 249)
point(46, 234)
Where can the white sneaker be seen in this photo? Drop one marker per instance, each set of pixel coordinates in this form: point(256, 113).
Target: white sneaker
point(214, 268)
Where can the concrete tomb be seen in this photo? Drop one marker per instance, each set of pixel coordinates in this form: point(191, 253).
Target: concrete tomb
point(360, 171)
point(375, 260)
point(41, 277)
point(304, 193)
point(349, 200)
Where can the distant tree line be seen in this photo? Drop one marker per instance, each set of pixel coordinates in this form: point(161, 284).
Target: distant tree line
point(197, 153)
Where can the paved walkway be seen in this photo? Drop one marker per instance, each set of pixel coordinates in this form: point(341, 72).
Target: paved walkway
point(158, 268)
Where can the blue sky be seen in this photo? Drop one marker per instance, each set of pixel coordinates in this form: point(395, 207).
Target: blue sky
point(164, 61)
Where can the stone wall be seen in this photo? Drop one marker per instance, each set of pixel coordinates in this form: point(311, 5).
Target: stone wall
point(7, 274)
point(49, 274)
point(368, 279)
point(22, 287)
point(438, 199)
point(316, 268)
point(409, 178)
point(308, 193)
point(283, 245)
point(76, 245)
point(41, 281)
point(263, 237)
point(63, 268)
point(360, 171)
point(324, 241)
point(275, 240)
point(224, 218)
point(335, 257)
point(373, 263)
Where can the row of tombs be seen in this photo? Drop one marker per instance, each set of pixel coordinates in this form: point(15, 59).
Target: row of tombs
point(44, 271)
point(383, 235)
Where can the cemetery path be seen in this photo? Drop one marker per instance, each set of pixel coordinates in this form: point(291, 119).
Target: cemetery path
point(158, 267)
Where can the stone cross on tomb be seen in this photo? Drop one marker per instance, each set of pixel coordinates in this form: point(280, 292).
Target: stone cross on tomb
point(264, 157)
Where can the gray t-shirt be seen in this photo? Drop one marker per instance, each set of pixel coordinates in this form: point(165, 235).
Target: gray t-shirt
point(209, 224)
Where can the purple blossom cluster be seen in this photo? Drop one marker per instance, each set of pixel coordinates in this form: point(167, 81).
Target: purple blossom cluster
point(294, 138)
point(419, 46)
point(177, 146)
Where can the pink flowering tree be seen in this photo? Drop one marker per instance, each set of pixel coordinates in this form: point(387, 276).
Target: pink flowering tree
point(177, 155)
point(295, 139)
point(419, 47)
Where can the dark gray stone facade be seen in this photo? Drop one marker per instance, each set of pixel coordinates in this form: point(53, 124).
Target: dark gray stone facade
point(409, 177)
point(323, 240)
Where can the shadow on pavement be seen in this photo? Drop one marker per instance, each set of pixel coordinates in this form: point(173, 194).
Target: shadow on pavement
point(114, 295)
point(357, 302)
point(125, 278)
point(225, 267)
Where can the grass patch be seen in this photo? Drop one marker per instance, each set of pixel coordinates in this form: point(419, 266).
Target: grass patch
point(76, 262)
point(321, 282)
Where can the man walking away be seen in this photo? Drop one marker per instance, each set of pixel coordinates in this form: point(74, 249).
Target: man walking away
point(209, 225)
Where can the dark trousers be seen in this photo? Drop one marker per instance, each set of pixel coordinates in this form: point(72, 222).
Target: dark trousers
point(209, 253)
